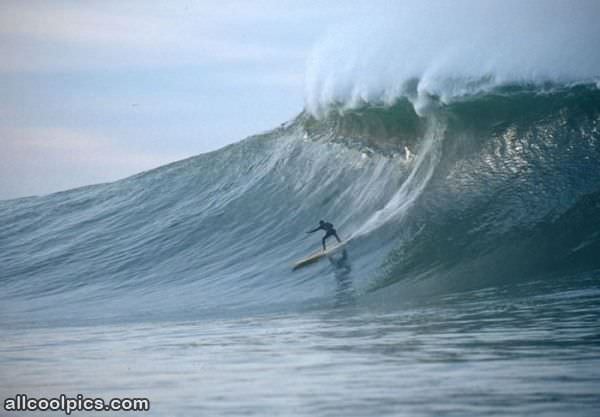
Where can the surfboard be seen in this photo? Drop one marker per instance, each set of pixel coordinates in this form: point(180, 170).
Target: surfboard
point(315, 257)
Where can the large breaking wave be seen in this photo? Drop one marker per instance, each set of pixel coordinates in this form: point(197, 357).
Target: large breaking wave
point(501, 187)
point(449, 163)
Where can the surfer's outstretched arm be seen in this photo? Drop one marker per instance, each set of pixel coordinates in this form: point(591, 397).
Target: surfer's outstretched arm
point(314, 230)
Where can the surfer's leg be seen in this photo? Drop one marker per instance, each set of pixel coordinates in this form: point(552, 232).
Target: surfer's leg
point(329, 233)
point(337, 237)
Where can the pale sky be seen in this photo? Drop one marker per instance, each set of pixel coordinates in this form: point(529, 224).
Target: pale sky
point(93, 91)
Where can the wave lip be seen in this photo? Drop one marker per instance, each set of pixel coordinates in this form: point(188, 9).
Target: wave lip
point(448, 51)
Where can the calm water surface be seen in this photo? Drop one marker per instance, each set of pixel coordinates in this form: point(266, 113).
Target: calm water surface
point(490, 355)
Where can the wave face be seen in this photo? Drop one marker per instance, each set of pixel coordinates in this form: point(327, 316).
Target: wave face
point(496, 188)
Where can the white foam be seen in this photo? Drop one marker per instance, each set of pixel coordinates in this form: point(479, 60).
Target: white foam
point(447, 50)
point(425, 162)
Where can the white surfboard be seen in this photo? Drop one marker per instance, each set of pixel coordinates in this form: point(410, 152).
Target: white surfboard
point(317, 256)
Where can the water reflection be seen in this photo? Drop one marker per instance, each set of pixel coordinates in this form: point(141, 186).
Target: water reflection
point(342, 268)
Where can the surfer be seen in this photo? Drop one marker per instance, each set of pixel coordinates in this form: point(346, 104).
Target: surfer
point(329, 231)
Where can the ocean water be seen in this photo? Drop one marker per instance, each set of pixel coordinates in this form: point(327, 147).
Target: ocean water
point(469, 284)
point(481, 352)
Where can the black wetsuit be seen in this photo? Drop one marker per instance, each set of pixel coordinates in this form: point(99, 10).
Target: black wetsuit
point(329, 231)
